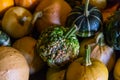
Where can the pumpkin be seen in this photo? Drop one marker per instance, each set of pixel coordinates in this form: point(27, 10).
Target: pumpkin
point(5, 40)
point(87, 18)
point(16, 22)
point(86, 68)
point(4, 5)
point(26, 46)
point(109, 12)
point(13, 65)
point(112, 31)
point(116, 72)
point(50, 12)
point(58, 46)
point(100, 4)
point(55, 74)
point(29, 4)
point(100, 50)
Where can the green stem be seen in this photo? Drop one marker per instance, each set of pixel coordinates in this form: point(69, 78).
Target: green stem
point(86, 12)
point(100, 39)
point(71, 31)
point(87, 60)
point(36, 15)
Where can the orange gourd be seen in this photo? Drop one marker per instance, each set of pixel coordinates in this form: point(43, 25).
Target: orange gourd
point(4, 5)
point(29, 4)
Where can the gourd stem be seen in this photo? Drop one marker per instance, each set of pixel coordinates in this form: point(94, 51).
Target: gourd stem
point(71, 31)
point(36, 16)
point(86, 12)
point(100, 39)
point(87, 61)
point(22, 20)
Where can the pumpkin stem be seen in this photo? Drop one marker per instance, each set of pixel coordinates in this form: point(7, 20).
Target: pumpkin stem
point(22, 20)
point(71, 31)
point(87, 60)
point(86, 12)
point(100, 39)
point(36, 16)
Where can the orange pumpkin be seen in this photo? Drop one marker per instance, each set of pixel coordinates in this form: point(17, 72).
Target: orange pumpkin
point(4, 5)
point(50, 12)
point(29, 4)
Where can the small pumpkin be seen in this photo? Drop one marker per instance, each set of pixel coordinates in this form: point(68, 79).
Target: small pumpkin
point(50, 12)
point(116, 72)
point(13, 65)
point(5, 5)
point(26, 45)
point(86, 68)
point(87, 18)
point(16, 22)
point(55, 74)
point(100, 50)
point(112, 31)
point(29, 4)
point(5, 39)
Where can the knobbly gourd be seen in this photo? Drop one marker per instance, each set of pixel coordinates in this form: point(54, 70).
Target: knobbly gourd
point(87, 18)
point(58, 46)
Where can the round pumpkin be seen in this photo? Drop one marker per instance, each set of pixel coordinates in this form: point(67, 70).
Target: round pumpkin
point(4, 5)
point(17, 22)
point(29, 4)
point(100, 50)
point(26, 46)
point(116, 71)
point(86, 68)
point(50, 12)
point(87, 18)
point(13, 65)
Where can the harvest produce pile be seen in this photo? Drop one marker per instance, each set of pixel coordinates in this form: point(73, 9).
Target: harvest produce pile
point(59, 40)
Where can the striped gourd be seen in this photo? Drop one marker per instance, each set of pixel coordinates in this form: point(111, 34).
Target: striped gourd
point(87, 18)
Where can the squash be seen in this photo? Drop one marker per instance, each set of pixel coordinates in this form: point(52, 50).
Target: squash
point(87, 18)
point(13, 65)
point(116, 72)
point(58, 46)
point(100, 50)
point(100, 4)
point(111, 31)
point(50, 12)
point(5, 39)
point(29, 4)
point(5, 5)
point(26, 46)
point(86, 68)
point(16, 22)
point(55, 74)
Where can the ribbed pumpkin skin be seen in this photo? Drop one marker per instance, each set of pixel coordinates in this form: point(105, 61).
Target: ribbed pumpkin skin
point(4, 39)
point(55, 49)
point(112, 31)
point(87, 25)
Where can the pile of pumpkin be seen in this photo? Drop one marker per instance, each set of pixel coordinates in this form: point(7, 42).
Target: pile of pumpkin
point(60, 39)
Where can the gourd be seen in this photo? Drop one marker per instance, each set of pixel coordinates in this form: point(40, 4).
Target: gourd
point(13, 65)
point(112, 31)
point(5, 39)
point(87, 18)
point(116, 71)
point(86, 68)
point(58, 46)
point(26, 45)
point(99, 50)
point(50, 12)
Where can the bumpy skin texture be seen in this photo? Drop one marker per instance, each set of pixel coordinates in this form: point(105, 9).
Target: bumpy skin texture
point(55, 49)
point(112, 31)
